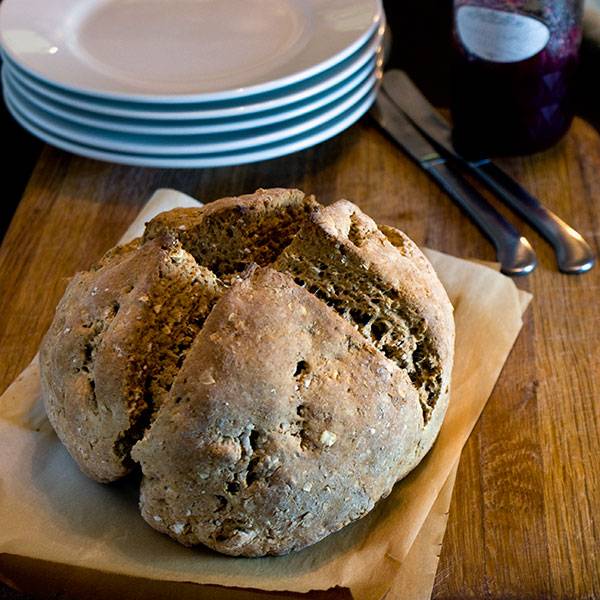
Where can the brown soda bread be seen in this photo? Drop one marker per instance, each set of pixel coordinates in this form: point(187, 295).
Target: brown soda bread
point(272, 366)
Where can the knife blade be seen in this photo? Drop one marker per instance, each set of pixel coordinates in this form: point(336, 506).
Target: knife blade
point(513, 251)
point(573, 254)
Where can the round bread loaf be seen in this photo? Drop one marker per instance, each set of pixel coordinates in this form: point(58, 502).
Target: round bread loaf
point(271, 365)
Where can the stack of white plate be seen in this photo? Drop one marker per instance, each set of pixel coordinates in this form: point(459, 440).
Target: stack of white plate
point(189, 83)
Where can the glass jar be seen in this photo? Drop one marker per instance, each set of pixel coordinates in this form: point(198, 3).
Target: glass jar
point(514, 66)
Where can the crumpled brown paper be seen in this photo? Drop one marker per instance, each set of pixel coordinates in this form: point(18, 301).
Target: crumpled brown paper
point(50, 511)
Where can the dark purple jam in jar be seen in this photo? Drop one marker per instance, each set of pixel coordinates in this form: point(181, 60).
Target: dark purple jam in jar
point(515, 62)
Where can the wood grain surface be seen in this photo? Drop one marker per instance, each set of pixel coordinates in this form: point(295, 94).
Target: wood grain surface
point(525, 516)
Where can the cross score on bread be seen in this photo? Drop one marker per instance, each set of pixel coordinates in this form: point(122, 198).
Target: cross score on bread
point(248, 356)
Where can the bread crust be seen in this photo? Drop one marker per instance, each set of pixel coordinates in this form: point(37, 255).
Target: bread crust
point(271, 388)
point(108, 336)
point(341, 242)
point(267, 419)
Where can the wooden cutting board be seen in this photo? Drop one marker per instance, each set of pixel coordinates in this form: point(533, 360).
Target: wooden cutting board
point(525, 517)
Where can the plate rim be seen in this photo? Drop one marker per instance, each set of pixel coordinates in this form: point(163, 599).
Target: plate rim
point(191, 162)
point(200, 147)
point(191, 126)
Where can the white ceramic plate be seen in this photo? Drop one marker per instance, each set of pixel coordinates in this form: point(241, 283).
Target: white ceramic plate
point(187, 127)
point(241, 107)
point(186, 144)
point(306, 140)
point(182, 50)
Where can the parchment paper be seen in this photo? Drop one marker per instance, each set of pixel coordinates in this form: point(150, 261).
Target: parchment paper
point(50, 511)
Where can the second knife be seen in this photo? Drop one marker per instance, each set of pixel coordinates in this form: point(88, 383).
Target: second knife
point(513, 250)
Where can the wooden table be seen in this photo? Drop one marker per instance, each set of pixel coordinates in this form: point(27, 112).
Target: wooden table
point(525, 517)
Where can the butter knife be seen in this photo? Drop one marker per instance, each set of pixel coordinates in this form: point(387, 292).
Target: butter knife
point(513, 251)
point(573, 254)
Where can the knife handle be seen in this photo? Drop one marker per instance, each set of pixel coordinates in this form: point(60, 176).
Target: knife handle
point(573, 254)
point(513, 251)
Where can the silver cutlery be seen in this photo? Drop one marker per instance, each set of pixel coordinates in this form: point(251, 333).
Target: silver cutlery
point(573, 254)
